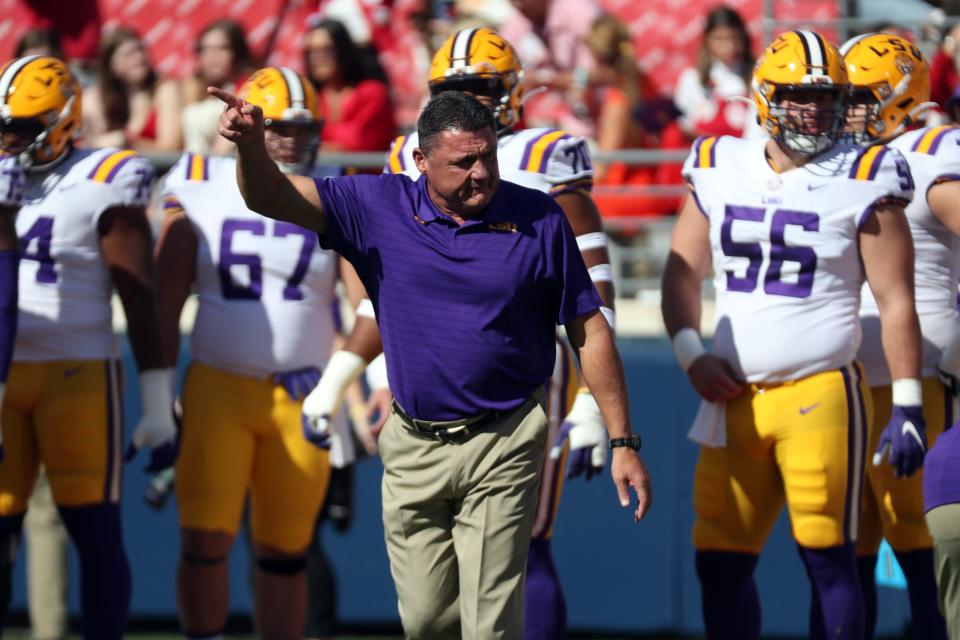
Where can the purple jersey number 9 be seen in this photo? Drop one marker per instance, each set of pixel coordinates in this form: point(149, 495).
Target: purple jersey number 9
point(229, 260)
point(780, 252)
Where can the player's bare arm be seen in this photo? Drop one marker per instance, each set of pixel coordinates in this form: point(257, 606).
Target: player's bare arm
point(584, 218)
point(944, 202)
point(886, 248)
point(8, 229)
point(364, 339)
point(125, 243)
point(266, 189)
point(687, 265)
point(176, 258)
point(592, 340)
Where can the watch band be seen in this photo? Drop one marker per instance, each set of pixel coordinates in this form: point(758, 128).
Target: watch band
point(633, 441)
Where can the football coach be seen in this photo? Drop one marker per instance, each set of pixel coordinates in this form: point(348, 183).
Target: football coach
point(469, 277)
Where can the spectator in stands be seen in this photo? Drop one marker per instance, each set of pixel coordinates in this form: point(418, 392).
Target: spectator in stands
point(952, 107)
point(550, 38)
point(629, 115)
point(40, 41)
point(223, 60)
point(354, 97)
point(130, 106)
point(723, 71)
point(944, 77)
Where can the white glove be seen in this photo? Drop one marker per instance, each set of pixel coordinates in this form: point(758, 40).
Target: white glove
point(949, 366)
point(11, 182)
point(156, 428)
point(376, 373)
point(324, 401)
point(584, 427)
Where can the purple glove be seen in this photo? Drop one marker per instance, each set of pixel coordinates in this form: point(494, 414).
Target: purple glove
point(318, 438)
point(298, 383)
point(904, 439)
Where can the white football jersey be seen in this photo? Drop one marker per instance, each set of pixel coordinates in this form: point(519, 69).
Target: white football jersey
point(265, 288)
point(786, 262)
point(934, 156)
point(548, 160)
point(65, 287)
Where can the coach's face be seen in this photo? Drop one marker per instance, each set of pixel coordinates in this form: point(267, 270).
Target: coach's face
point(461, 170)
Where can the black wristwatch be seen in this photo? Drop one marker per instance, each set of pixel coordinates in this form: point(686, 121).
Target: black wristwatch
point(633, 441)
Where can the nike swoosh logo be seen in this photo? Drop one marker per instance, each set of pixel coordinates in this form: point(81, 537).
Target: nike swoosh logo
point(814, 187)
point(910, 430)
point(72, 371)
point(805, 410)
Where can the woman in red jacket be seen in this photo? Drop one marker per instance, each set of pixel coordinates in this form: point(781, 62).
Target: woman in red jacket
point(354, 98)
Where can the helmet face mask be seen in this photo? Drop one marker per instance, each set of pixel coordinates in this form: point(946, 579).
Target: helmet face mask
point(39, 110)
point(291, 114)
point(293, 144)
point(891, 78)
point(861, 109)
point(808, 118)
point(480, 62)
point(800, 91)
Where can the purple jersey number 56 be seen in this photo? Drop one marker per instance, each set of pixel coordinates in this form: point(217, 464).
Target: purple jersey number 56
point(780, 252)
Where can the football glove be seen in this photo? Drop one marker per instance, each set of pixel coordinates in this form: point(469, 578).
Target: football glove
point(904, 439)
point(324, 401)
point(587, 434)
point(298, 383)
point(156, 428)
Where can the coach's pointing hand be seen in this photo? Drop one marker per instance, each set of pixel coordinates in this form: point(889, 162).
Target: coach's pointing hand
point(628, 471)
point(240, 122)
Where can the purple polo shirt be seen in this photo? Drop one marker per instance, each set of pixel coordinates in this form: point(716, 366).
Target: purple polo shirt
point(941, 470)
point(467, 313)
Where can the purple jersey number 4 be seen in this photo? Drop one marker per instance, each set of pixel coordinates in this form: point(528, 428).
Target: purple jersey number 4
point(780, 252)
point(35, 245)
point(229, 260)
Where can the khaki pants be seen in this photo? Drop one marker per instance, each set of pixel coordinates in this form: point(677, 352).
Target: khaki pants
point(944, 525)
point(458, 519)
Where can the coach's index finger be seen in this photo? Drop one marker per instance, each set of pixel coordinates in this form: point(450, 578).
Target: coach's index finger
point(225, 96)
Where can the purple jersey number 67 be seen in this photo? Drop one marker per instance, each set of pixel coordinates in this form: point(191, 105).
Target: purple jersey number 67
point(229, 259)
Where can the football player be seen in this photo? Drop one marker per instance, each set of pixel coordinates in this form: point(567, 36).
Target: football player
point(264, 330)
point(483, 64)
point(83, 232)
point(891, 87)
point(790, 224)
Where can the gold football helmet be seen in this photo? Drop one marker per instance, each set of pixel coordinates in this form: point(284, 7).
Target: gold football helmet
point(483, 63)
point(290, 105)
point(891, 78)
point(801, 63)
point(39, 109)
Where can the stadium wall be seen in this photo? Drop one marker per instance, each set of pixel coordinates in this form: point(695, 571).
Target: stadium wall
point(618, 576)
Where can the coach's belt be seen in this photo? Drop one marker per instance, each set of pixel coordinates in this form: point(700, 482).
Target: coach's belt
point(449, 430)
